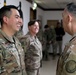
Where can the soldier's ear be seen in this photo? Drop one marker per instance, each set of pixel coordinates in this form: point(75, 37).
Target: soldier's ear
point(5, 19)
point(29, 27)
point(69, 18)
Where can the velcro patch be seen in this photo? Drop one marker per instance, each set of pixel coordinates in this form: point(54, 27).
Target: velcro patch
point(70, 66)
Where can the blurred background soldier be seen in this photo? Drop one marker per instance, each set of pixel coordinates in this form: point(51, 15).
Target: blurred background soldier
point(59, 36)
point(50, 39)
point(52, 36)
point(46, 42)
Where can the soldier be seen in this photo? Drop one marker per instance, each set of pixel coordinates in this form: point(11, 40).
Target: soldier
point(33, 54)
point(50, 38)
point(53, 42)
point(11, 52)
point(46, 42)
point(59, 36)
point(67, 61)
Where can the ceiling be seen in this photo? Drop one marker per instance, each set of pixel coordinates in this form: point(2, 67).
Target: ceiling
point(52, 4)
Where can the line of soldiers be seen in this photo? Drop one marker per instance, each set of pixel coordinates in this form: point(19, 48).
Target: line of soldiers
point(12, 55)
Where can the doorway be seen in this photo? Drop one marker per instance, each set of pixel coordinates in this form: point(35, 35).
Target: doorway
point(52, 22)
point(32, 14)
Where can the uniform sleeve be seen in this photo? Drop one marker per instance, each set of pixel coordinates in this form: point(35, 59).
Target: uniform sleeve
point(27, 43)
point(59, 66)
point(53, 35)
point(70, 64)
point(2, 70)
point(1, 56)
point(29, 47)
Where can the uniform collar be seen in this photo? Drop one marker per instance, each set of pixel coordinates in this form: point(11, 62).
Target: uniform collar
point(34, 37)
point(7, 37)
point(74, 36)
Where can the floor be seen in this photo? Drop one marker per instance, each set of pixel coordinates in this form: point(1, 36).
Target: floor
point(49, 67)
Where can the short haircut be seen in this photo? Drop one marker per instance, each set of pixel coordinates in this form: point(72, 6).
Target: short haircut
point(6, 11)
point(32, 22)
point(71, 7)
point(46, 26)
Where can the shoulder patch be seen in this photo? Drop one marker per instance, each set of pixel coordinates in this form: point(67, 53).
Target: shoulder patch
point(70, 66)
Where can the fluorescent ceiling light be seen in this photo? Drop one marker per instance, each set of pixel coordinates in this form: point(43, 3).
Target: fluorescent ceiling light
point(34, 6)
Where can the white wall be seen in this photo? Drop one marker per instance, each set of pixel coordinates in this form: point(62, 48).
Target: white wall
point(1, 3)
point(40, 14)
point(52, 15)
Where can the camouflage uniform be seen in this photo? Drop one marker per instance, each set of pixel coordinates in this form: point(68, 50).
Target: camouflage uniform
point(11, 56)
point(67, 62)
point(21, 38)
point(49, 35)
point(33, 54)
point(46, 44)
point(52, 36)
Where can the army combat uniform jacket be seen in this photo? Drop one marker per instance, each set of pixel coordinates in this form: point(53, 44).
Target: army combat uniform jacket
point(33, 52)
point(67, 62)
point(11, 56)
